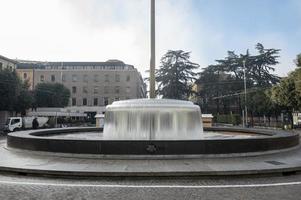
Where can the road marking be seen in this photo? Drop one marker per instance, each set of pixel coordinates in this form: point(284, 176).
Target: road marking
point(150, 186)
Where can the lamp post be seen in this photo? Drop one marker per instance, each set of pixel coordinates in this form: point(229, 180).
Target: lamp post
point(153, 52)
point(245, 86)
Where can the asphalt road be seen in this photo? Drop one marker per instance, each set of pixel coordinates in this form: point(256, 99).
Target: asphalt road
point(22, 187)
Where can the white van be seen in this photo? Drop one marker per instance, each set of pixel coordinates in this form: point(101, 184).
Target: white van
point(19, 123)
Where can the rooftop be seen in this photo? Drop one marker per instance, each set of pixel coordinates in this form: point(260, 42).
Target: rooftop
point(7, 59)
point(22, 64)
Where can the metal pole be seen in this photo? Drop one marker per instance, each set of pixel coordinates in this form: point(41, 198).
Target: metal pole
point(243, 118)
point(153, 52)
point(245, 86)
point(55, 119)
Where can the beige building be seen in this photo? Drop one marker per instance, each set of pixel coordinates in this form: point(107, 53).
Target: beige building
point(6, 63)
point(195, 88)
point(90, 83)
point(27, 75)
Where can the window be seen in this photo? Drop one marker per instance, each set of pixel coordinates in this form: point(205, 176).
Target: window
point(96, 78)
point(107, 78)
point(106, 101)
point(85, 79)
point(74, 90)
point(73, 101)
point(117, 77)
point(1, 66)
point(14, 121)
point(128, 78)
point(25, 75)
point(106, 90)
point(117, 89)
point(128, 89)
point(64, 78)
point(95, 91)
point(84, 101)
point(85, 90)
point(117, 98)
point(74, 78)
point(52, 78)
point(95, 101)
point(42, 78)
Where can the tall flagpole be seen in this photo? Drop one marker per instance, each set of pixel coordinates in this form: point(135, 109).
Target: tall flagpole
point(153, 52)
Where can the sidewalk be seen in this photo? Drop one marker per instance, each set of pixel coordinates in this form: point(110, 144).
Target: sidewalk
point(71, 165)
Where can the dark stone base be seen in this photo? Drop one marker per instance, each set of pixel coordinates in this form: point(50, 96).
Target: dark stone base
point(36, 141)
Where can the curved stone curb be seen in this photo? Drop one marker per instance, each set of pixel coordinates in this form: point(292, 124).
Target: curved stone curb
point(37, 141)
point(77, 174)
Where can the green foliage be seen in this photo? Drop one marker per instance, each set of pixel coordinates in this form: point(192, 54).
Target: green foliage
point(14, 94)
point(9, 89)
point(176, 75)
point(298, 60)
point(288, 93)
point(259, 103)
point(233, 119)
point(25, 99)
point(297, 78)
point(51, 95)
point(223, 83)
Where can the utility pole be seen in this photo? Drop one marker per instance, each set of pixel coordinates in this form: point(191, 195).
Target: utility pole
point(153, 52)
point(245, 86)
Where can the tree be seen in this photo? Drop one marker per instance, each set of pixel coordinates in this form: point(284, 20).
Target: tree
point(25, 99)
point(298, 60)
point(15, 95)
point(214, 86)
point(51, 95)
point(9, 87)
point(11, 91)
point(175, 76)
point(224, 81)
point(261, 66)
point(260, 104)
point(284, 94)
point(297, 78)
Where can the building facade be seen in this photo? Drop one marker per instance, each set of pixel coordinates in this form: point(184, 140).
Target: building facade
point(90, 83)
point(6, 63)
point(27, 75)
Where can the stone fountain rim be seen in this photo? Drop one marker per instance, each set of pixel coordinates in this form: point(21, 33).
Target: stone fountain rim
point(163, 104)
point(270, 140)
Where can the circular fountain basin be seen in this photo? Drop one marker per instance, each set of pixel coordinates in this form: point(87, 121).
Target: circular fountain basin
point(65, 141)
point(150, 128)
point(153, 119)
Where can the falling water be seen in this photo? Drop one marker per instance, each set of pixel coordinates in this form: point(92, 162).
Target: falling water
point(153, 119)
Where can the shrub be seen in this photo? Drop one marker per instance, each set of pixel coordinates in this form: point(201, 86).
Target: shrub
point(234, 119)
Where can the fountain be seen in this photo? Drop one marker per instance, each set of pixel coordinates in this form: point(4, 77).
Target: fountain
point(152, 127)
point(147, 137)
point(152, 119)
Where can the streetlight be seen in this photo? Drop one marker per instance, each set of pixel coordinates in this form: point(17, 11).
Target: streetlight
point(245, 86)
point(153, 52)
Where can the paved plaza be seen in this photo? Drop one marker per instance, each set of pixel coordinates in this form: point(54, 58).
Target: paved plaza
point(84, 165)
point(225, 188)
point(270, 186)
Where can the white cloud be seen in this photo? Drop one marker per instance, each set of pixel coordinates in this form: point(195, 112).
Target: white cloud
point(98, 30)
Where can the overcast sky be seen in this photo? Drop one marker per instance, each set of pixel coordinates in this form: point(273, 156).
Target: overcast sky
point(98, 30)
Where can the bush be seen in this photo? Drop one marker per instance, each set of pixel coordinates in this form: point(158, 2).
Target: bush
point(234, 119)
